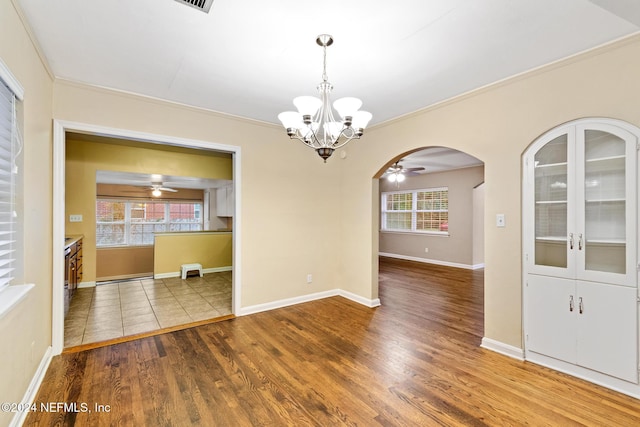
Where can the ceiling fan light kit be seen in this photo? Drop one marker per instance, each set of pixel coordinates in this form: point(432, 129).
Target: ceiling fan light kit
point(396, 173)
point(314, 123)
point(157, 189)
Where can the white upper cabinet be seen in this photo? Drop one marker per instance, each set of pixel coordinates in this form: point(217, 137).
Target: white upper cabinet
point(581, 185)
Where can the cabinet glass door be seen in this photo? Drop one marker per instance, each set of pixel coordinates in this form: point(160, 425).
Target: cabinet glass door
point(604, 239)
point(551, 196)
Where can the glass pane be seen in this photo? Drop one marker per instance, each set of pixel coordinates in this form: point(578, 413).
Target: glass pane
point(399, 201)
point(605, 204)
point(432, 221)
point(398, 220)
point(550, 165)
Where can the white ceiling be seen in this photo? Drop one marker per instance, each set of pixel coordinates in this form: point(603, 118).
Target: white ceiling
point(251, 58)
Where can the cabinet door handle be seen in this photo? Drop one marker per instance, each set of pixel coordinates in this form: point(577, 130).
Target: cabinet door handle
point(570, 302)
point(580, 305)
point(580, 242)
point(570, 240)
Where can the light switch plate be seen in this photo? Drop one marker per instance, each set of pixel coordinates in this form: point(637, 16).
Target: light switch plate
point(75, 218)
point(500, 220)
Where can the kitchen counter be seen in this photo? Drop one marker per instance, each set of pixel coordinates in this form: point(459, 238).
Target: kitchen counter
point(71, 239)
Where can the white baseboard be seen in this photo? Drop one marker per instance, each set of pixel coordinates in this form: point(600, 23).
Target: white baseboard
point(34, 386)
point(204, 271)
point(432, 261)
point(502, 348)
point(307, 298)
point(371, 303)
point(87, 285)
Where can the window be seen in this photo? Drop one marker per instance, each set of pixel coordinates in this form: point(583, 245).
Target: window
point(422, 211)
point(133, 223)
point(10, 147)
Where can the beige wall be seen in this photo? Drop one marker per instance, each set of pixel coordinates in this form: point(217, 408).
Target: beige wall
point(289, 196)
point(84, 158)
point(209, 249)
point(26, 330)
point(299, 215)
point(457, 247)
point(495, 125)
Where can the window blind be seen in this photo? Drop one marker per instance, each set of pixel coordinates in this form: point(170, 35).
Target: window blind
point(8, 152)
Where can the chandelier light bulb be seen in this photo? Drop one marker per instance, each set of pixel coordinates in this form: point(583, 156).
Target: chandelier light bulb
point(400, 177)
point(347, 106)
point(156, 192)
point(290, 119)
point(307, 105)
point(392, 177)
point(361, 119)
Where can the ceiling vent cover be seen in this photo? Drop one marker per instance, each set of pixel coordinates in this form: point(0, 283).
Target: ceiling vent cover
point(203, 5)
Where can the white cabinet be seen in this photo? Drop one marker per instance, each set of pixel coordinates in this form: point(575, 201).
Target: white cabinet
point(581, 196)
point(225, 201)
point(585, 323)
point(580, 247)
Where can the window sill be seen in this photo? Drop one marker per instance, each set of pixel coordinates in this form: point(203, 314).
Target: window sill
point(418, 233)
point(11, 296)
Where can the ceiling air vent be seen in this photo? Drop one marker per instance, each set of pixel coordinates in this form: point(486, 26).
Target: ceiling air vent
point(203, 5)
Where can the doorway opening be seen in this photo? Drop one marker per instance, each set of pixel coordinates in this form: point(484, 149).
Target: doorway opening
point(431, 211)
point(159, 142)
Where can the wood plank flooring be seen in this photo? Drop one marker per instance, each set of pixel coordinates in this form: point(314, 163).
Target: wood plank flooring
point(414, 361)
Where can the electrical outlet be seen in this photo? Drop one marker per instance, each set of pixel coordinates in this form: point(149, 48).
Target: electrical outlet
point(500, 220)
point(426, 250)
point(309, 278)
point(75, 218)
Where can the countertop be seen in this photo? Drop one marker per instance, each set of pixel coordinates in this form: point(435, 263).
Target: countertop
point(71, 239)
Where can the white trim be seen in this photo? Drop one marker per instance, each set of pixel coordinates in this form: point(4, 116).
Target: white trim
point(258, 308)
point(60, 127)
point(603, 380)
point(502, 348)
point(87, 285)
point(11, 295)
point(34, 386)
point(527, 238)
point(204, 271)
point(11, 81)
point(432, 261)
point(371, 303)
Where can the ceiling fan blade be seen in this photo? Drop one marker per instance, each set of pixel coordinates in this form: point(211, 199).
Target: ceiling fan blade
point(420, 168)
point(172, 190)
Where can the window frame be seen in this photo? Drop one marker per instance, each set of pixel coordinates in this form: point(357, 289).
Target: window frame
point(128, 222)
point(414, 211)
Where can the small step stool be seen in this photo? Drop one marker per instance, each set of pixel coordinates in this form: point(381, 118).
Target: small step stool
point(190, 267)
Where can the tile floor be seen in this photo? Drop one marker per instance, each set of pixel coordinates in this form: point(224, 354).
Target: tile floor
point(126, 308)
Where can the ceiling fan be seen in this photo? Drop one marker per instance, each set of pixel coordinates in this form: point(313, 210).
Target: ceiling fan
point(396, 173)
point(157, 189)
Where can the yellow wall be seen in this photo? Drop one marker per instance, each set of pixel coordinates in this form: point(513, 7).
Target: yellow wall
point(210, 249)
point(123, 262)
point(85, 158)
point(26, 329)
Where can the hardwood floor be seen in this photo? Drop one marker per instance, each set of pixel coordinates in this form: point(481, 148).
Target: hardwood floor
point(414, 361)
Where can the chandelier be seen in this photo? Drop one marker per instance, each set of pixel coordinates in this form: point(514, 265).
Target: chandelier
point(314, 123)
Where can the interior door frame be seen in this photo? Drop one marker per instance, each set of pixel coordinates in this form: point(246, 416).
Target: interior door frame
point(60, 128)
